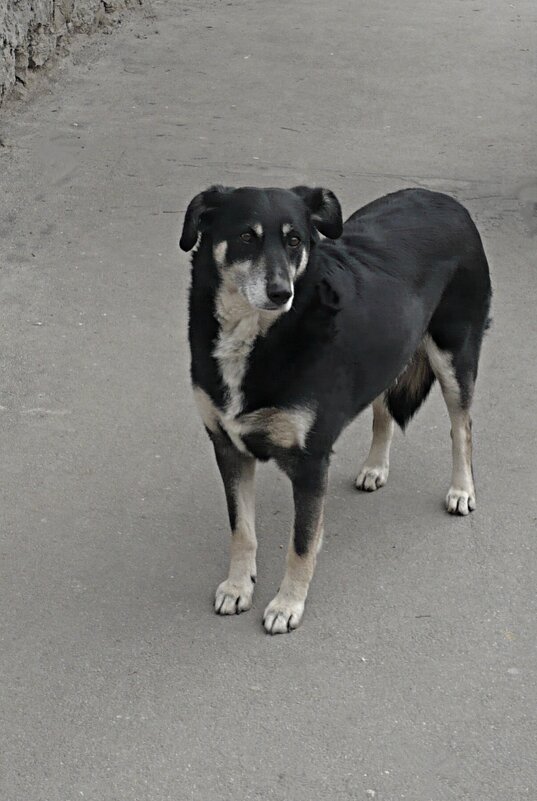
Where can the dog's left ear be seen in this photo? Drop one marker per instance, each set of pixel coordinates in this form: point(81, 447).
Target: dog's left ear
point(324, 208)
point(197, 208)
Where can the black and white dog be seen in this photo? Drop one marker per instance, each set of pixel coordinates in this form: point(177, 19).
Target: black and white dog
point(293, 336)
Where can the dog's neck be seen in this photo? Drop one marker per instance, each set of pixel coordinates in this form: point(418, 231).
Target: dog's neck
point(240, 325)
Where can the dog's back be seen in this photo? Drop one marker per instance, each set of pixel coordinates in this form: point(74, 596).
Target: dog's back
point(409, 264)
point(419, 237)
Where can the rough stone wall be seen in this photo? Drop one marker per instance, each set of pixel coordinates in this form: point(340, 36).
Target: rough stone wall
point(31, 31)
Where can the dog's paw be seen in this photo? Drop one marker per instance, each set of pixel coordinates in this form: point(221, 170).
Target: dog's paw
point(372, 478)
point(234, 597)
point(460, 502)
point(282, 615)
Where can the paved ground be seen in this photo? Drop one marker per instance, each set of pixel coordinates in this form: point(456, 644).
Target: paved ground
point(414, 674)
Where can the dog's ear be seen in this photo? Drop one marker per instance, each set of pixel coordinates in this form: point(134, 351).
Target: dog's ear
point(329, 297)
point(197, 208)
point(324, 208)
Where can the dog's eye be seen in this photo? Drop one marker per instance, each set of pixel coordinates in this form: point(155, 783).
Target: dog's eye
point(293, 241)
point(246, 236)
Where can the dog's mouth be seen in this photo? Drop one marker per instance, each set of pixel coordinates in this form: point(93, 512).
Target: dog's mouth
point(282, 306)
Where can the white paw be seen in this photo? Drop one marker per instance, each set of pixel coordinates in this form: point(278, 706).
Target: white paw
point(282, 615)
point(234, 597)
point(460, 502)
point(372, 478)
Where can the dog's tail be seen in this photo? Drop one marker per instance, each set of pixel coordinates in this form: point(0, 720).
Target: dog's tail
point(411, 388)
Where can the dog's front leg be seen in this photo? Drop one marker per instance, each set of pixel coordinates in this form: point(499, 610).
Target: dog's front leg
point(284, 612)
point(235, 594)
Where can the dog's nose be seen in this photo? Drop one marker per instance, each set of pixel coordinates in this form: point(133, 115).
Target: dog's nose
point(279, 293)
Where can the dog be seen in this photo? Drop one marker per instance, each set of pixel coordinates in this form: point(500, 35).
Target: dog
point(298, 322)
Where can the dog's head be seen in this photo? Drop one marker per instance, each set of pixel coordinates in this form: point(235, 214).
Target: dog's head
point(261, 238)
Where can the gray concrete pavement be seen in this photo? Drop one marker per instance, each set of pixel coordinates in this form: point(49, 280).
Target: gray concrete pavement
point(414, 673)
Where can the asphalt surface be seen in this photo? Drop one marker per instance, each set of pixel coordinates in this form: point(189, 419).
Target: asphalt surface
point(413, 675)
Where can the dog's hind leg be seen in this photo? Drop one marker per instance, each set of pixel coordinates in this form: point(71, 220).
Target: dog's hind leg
point(309, 477)
point(374, 472)
point(398, 404)
point(235, 594)
point(457, 389)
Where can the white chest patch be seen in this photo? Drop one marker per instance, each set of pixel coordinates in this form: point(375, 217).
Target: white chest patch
point(239, 328)
point(240, 325)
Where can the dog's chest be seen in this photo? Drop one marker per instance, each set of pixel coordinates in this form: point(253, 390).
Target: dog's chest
point(264, 429)
point(239, 326)
point(261, 431)
point(232, 351)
